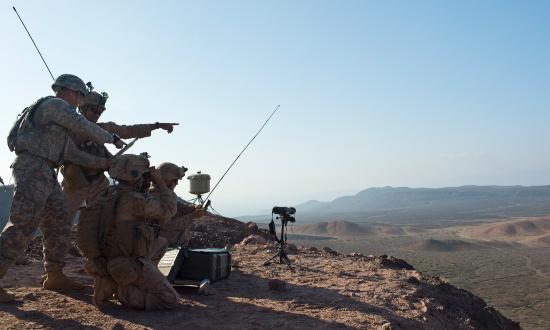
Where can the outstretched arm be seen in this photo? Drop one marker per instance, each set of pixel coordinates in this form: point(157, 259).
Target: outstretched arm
point(136, 131)
point(62, 114)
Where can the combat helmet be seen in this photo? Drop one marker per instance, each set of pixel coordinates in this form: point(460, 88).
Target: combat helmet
point(170, 171)
point(94, 99)
point(129, 167)
point(70, 81)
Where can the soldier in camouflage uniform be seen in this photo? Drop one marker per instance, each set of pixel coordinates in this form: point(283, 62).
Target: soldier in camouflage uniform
point(42, 143)
point(82, 183)
point(131, 240)
point(176, 230)
point(178, 227)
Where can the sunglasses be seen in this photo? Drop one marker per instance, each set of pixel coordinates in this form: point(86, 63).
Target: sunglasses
point(97, 111)
point(80, 95)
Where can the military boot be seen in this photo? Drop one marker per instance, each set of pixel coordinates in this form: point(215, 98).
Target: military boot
point(58, 281)
point(5, 296)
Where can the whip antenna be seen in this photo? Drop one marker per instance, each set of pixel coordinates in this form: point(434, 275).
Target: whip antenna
point(249, 142)
point(34, 43)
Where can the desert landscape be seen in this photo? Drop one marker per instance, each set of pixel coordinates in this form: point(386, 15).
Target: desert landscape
point(324, 289)
point(506, 262)
point(402, 144)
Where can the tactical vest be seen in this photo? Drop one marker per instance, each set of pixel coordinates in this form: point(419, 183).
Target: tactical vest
point(79, 177)
point(94, 149)
point(48, 141)
point(131, 239)
point(24, 120)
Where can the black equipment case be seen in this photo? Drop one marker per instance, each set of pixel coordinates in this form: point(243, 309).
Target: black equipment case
point(183, 266)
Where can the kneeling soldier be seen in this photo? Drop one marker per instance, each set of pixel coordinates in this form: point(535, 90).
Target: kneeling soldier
point(128, 239)
point(176, 230)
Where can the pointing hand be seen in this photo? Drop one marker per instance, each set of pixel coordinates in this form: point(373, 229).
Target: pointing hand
point(169, 127)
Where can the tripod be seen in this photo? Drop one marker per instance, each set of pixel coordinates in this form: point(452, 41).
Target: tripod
point(281, 253)
point(198, 200)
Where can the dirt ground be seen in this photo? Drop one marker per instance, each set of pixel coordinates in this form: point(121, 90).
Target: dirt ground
point(325, 290)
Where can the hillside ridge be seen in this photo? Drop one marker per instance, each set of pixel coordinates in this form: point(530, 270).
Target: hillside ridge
point(324, 290)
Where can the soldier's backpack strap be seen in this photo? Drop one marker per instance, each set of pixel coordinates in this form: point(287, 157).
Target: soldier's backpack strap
point(26, 117)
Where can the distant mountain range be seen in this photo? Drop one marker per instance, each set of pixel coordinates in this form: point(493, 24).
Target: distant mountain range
point(427, 205)
point(401, 205)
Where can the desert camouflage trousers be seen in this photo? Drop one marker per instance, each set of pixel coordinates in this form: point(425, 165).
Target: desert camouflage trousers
point(37, 202)
point(150, 291)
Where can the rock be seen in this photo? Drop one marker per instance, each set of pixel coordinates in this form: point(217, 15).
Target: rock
point(413, 280)
point(386, 326)
point(118, 326)
point(276, 285)
point(328, 250)
point(291, 248)
point(423, 306)
point(253, 239)
point(313, 249)
point(345, 274)
point(30, 296)
point(392, 262)
point(251, 227)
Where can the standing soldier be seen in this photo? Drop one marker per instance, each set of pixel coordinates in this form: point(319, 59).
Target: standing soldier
point(40, 138)
point(124, 256)
point(81, 183)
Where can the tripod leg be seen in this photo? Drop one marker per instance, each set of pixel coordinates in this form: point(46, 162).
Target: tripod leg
point(271, 259)
point(286, 260)
point(288, 263)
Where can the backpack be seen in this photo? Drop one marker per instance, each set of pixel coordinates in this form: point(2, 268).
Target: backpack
point(96, 222)
point(24, 119)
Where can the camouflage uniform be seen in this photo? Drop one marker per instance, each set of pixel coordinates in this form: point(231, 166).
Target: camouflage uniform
point(177, 230)
point(131, 245)
point(38, 200)
point(83, 184)
point(94, 181)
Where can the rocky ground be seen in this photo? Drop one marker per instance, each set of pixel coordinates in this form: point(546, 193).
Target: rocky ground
point(323, 290)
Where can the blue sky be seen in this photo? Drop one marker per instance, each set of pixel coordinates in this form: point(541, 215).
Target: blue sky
point(401, 93)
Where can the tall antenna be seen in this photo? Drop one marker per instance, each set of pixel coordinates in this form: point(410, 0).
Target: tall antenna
point(230, 166)
point(34, 43)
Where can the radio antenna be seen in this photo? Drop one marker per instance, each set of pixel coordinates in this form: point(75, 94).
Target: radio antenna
point(230, 166)
point(34, 43)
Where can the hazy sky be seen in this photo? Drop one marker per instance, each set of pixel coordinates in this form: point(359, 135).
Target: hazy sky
point(401, 93)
